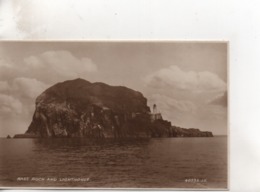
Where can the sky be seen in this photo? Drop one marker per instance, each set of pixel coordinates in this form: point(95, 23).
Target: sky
point(187, 80)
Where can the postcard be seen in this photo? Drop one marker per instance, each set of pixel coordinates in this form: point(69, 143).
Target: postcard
point(114, 114)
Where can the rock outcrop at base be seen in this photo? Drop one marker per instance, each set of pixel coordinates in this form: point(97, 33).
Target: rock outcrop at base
point(78, 108)
point(162, 128)
point(191, 132)
point(27, 135)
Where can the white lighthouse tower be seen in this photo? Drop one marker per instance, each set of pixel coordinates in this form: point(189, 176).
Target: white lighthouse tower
point(155, 114)
point(154, 109)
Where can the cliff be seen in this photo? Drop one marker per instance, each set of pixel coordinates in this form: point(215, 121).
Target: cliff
point(78, 108)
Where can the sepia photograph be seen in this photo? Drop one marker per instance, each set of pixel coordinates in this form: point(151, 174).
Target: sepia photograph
point(114, 115)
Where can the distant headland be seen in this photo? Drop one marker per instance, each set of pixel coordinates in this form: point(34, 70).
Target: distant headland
point(78, 108)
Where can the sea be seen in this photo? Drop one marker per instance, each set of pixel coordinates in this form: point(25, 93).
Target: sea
point(175, 163)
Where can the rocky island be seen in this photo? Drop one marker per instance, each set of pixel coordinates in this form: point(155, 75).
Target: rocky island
point(79, 108)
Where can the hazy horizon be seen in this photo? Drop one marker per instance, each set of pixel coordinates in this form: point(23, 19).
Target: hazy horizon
point(187, 80)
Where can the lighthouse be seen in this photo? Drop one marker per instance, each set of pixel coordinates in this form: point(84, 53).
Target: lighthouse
point(155, 114)
point(154, 109)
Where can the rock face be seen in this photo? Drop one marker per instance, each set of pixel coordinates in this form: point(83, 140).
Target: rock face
point(162, 128)
point(78, 108)
point(191, 132)
point(27, 135)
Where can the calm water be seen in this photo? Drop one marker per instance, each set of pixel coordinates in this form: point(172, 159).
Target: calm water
point(153, 163)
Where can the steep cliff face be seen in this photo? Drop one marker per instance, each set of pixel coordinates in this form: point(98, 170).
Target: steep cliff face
point(78, 108)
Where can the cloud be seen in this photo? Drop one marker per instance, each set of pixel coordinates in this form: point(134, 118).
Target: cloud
point(59, 65)
point(18, 96)
point(48, 67)
point(32, 75)
point(171, 103)
point(9, 105)
point(8, 70)
point(220, 100)
point(4, 86)
point(185, 84)
point(22, 88)
point(26, 87)
point(61, 62)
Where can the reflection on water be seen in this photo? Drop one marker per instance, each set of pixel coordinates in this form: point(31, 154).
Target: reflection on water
point(153, 163)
